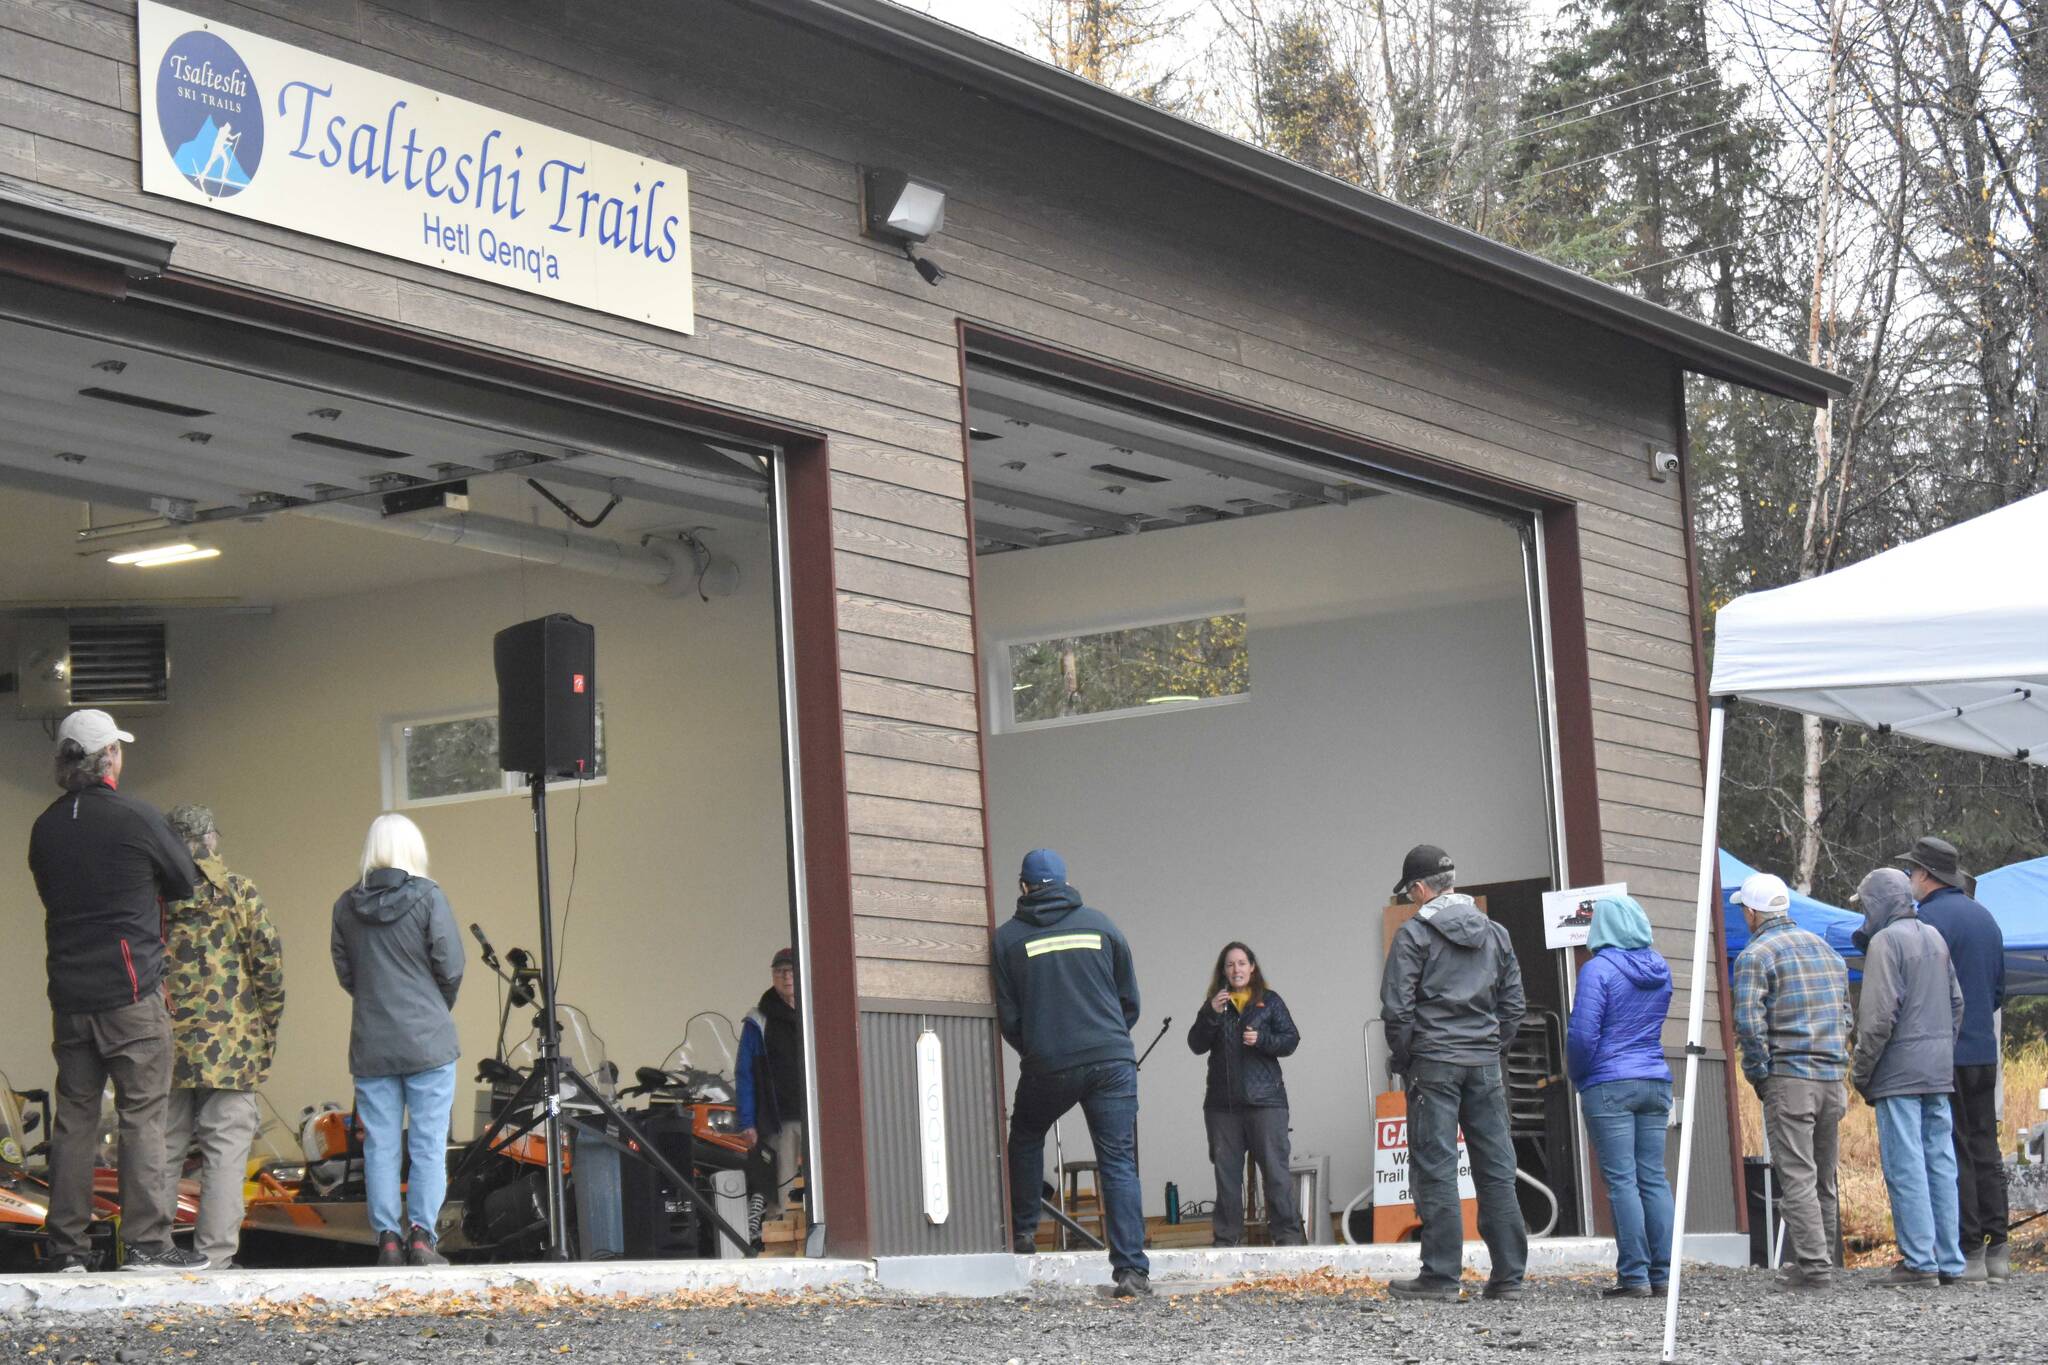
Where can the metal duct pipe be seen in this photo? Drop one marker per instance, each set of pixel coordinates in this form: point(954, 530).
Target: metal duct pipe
point(514, 540)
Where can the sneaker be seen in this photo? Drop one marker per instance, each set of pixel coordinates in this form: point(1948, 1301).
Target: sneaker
point(1422, 1287)
point(1998, 1262)
point(1660, 1291)
point(66, 1265)
point(419, 1249)
point(1626, 1291)
point(1507, 1292)
point(390, 1250)
point(171, 1258)
point(1903, 1276)
point(1132, 1284)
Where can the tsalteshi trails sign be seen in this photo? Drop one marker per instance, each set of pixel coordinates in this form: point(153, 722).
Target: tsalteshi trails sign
point(271, 132)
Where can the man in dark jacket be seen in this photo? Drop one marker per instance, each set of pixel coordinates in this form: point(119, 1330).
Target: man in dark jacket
point(769, 1080)
point(1907, 1019)
point(1067, 998)
point(105, 864)
point(1451, 1000)
point(1976, 948)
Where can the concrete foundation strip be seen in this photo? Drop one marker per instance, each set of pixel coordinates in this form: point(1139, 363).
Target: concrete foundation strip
point(967, 1276)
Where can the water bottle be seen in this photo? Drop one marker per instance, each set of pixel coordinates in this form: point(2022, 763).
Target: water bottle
point(1172, 1202)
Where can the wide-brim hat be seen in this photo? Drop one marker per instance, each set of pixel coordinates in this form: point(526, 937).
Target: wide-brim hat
point(1937, 858)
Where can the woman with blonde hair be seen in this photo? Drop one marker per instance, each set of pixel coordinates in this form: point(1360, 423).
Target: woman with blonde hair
point(399, 955)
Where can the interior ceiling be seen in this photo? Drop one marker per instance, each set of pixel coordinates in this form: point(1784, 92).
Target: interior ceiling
point(1051, 466)
point(238, 450)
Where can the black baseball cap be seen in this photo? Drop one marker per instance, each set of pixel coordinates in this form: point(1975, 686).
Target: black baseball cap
point(1423, 860)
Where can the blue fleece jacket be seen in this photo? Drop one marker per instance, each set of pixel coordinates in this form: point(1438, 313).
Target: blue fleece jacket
point(1976, 948)
point(1617, 1025)
point(1066, 990)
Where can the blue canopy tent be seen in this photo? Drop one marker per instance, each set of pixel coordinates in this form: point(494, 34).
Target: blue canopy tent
point(2017, 897)
point(1833, 924)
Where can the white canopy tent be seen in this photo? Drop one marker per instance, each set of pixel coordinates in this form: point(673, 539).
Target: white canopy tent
point(1944, 639)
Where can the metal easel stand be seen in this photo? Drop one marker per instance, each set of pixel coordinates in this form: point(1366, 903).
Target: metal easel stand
point(540, 1094)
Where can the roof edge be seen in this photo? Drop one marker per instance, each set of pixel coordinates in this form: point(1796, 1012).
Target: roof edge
point(1018, 78)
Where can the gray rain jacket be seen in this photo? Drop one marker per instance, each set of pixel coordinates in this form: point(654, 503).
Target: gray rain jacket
point(1911, 1011)
point(398, 952)
point(1452, 990)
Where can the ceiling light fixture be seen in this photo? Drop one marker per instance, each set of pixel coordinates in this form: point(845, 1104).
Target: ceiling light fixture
point(156, 556)
point(902, 210)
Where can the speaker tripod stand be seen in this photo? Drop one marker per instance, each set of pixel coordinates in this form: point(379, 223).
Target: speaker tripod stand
point(538, 1100)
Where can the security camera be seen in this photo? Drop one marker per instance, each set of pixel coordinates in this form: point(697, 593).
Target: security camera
point(1663, 464)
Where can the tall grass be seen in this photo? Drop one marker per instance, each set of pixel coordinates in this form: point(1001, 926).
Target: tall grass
point(1866, 1209)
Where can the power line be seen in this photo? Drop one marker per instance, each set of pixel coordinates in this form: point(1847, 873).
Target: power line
point(1589, 160)
point(1542, 127)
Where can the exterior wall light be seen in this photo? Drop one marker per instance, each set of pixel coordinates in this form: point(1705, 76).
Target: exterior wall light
point(903, 210)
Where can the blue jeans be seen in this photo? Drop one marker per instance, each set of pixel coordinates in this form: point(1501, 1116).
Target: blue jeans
point(1108, 1095)
point(1626, 1120)
point(1916, 1144)
point(1442, 1097)
point(381, 1105)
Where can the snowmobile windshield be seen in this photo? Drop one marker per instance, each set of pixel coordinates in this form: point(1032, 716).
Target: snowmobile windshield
point(14, 1143)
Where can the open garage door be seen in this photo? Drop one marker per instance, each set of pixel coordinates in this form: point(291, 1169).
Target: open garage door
point(281, 565)
point(1233, 681)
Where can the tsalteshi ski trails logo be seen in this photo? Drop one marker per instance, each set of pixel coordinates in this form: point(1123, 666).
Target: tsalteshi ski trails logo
point(210, 114)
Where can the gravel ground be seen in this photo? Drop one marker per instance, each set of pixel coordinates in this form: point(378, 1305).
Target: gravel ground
point(1730, 1316)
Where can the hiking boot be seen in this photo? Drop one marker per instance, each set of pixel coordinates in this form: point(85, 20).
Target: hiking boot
point(1626, 1291)
point(1903, 1276)
point(1798, 1277)
point(171, 1258)
point(1424, 1287)
point(1505, 1292)
point(1132, 1284)
point(1974, 1270)
point(390, 1250)
point(1998, 1262)
point(1660, 1291)
point(1024, 1244)
point(419, 1248)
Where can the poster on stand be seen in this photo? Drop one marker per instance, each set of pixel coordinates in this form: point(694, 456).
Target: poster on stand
point(1568, 914)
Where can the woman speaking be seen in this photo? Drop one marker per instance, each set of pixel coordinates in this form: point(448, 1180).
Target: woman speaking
point(1245, 1029)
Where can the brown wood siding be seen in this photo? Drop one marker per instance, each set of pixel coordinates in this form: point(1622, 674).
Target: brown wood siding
point(1050, 235)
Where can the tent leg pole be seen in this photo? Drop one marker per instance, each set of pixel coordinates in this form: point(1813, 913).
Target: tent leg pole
point(1702, 943)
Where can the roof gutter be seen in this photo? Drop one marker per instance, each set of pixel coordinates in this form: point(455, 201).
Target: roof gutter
point(1004, 73)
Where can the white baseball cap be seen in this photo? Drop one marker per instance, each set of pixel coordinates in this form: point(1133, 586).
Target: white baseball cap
point(93, 731)
point(1766, 894)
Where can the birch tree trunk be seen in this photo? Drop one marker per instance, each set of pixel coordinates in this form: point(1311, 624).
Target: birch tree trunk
point(1813, 535)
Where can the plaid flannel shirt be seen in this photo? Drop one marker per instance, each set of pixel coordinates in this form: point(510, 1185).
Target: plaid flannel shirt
point(1792, 1005)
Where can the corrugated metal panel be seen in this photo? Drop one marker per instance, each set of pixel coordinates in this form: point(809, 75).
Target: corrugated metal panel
point(1710, 1207)
point(888, 1046)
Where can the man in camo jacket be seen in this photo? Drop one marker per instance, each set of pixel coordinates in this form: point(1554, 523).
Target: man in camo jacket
point(226, 985)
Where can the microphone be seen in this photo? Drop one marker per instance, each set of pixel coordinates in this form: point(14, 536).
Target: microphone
point(490, 955)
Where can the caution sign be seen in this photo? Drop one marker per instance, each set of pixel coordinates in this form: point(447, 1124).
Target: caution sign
point(1390, 1164)
point(1393, 1198)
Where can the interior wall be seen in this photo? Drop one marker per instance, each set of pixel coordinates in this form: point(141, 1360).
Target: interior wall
point(1281, 820)
point(679, 872)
